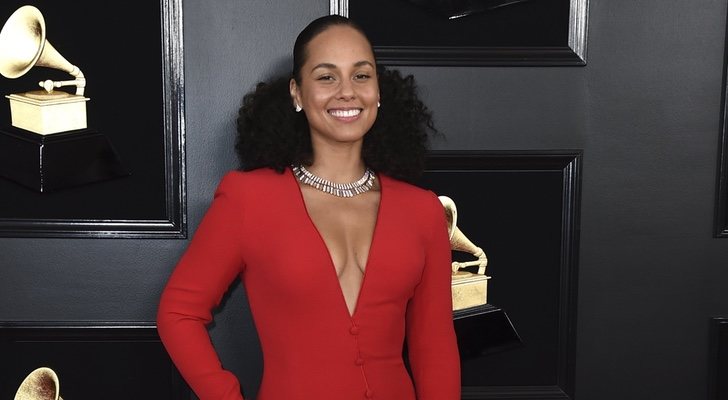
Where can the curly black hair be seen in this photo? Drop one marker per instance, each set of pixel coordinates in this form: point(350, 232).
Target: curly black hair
point(271, 134)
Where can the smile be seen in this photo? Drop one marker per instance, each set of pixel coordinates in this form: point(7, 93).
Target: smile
point(345, 113)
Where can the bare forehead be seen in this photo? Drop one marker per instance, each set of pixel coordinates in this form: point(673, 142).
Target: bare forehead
point(339, 41)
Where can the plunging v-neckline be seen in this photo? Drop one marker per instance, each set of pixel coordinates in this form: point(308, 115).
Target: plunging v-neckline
point(332, 266)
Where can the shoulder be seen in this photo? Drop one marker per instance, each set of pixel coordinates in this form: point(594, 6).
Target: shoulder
point(414, 196)
point(258, 174)
point(416, 207)
point(406, 189)
point(257, 180)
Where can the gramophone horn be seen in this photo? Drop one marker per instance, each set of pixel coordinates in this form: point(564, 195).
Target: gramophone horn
point(458, 240)
point(41, 384)
point(23, 45)
point(451, 213)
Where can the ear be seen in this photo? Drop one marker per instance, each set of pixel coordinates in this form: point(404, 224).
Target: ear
point(295, 93)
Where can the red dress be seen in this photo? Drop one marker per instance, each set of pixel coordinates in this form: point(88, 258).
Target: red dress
point(257, 227)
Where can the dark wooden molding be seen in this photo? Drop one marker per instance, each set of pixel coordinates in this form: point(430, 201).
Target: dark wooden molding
point(571, 53)
point(720, 225)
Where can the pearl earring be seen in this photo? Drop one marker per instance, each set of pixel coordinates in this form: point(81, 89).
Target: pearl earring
point(298, 108)
point(379, 104)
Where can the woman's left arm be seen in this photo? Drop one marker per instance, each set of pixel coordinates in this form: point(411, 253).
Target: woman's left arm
point(431, 341)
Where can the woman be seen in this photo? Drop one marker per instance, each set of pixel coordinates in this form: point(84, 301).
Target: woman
point(336, 274)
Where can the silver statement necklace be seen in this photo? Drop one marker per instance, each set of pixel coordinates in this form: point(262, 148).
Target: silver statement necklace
point(337, 189)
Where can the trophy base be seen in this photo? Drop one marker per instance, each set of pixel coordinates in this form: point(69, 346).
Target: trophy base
point(46, 163)
point(484, 330)
point(47, 114)
point(469, 290)
point(480, 331)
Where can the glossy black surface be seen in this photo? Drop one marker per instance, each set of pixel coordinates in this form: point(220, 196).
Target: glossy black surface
point(46, 163)
point(484, 330)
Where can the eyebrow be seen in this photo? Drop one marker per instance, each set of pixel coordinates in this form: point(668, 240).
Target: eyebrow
point(333, 66)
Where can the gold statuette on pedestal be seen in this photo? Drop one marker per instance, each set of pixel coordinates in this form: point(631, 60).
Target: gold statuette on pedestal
point(468, 289)
point(23, 45)
point(48, 145)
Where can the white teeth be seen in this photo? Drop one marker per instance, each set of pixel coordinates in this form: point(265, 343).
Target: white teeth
point(345, 113)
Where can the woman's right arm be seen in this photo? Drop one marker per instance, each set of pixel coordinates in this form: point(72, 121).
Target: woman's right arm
point(200, 279)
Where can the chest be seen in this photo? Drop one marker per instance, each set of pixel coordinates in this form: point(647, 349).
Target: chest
point(295, 252)
point(345, 225)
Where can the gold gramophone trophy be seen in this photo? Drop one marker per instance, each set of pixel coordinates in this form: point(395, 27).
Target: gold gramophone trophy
point(468, 289)
point(41, 384)
point(472, 314)
point(45, 111)
point(49, 145)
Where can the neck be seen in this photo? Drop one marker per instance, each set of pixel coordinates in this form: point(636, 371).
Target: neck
point(337, 161)
point(338, 170)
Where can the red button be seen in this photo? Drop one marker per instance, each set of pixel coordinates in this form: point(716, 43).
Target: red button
point(354, 330)
point(359, 361)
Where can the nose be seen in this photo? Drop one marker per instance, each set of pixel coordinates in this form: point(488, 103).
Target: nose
point(346, 90)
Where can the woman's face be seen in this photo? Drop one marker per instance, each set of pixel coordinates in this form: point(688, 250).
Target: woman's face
point(338, 91)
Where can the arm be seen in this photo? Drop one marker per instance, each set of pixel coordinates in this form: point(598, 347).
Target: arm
point(196, 286)
point(431, 341)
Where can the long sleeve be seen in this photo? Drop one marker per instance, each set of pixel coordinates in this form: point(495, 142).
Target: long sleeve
point(201, 277)
point(431, 340)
